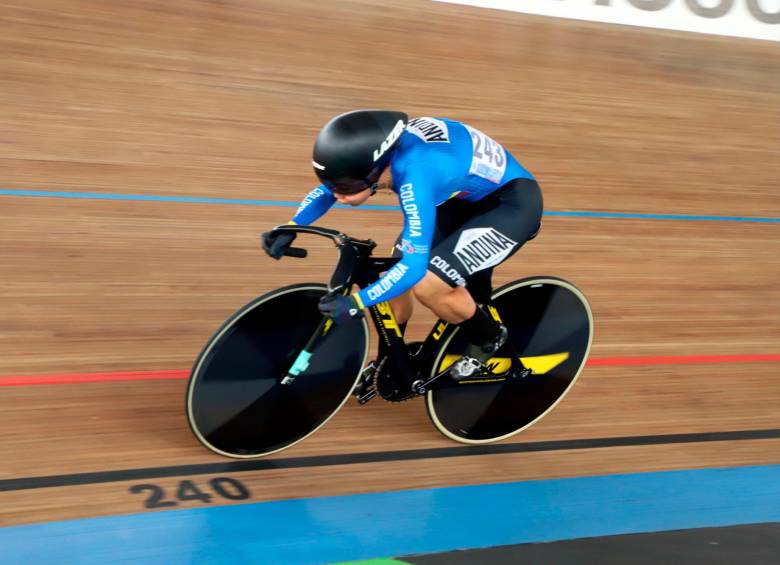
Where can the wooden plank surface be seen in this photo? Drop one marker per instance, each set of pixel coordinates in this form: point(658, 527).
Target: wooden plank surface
point(224, 99)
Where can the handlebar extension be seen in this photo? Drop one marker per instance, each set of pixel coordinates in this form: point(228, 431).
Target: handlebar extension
point(339, 239)
point(298, 252)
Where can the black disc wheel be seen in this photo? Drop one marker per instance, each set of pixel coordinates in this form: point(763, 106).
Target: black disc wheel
point(550, 328)
point(236, 404)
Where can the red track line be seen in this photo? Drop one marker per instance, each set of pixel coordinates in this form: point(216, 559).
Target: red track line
point(681, 360)
point(93, 378)
point(183, 374)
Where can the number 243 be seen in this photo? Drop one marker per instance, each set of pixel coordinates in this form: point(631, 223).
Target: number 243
point(485, 149)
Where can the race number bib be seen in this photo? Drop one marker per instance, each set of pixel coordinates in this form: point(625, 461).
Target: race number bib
point(489, 158)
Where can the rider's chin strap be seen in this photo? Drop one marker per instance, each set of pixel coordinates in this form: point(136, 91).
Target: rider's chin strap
point(380, 186)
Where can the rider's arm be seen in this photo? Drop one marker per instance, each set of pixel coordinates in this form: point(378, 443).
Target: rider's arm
point(416, 196)
point(314, 205)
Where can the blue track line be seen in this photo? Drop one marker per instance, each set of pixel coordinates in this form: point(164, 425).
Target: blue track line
point(292, 204)
point(362, 526)
point(165, 198)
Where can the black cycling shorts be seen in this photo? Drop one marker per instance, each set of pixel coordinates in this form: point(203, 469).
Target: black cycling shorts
point(471, 238)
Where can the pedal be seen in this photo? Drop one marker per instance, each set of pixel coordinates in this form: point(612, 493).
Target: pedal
point(466, 367)
point(368, 395)
point(364, 389)
point(367, 374)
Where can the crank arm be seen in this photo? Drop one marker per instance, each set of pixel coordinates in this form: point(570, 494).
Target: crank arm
point(420, 386)
point(517, 368)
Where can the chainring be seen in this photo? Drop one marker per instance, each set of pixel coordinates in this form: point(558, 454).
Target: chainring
point(388, 387)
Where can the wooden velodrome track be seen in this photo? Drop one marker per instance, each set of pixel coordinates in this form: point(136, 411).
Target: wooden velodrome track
point(222, 99)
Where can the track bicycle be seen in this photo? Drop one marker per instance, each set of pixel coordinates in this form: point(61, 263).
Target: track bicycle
point(277, 370)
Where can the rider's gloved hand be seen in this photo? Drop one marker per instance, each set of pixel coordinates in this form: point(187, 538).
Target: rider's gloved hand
point(275, 244)
point(340, 308)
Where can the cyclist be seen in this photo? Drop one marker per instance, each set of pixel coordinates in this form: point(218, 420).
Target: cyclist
point(467, 203)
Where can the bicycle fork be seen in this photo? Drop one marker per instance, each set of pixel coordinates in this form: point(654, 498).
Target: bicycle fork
point(301, 362)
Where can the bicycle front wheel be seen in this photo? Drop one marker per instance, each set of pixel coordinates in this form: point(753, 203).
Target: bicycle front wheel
point(236, 404)
point(551, 328)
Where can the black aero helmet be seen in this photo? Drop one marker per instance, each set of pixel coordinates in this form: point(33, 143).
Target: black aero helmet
point(353, 149)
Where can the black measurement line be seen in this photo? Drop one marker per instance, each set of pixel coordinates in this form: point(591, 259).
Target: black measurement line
point(76, 479)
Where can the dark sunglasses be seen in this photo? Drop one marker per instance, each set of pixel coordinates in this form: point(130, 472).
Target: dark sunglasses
point(347, 187)
point(353, 186)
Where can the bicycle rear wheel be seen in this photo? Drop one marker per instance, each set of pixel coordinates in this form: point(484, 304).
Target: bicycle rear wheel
point(551, 328)
point(236, 404)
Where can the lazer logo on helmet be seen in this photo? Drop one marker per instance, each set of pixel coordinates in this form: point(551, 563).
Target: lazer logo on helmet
point(390, 140)
point(386, 283)
point(480, 248)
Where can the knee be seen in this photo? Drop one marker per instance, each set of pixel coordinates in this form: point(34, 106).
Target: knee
point(431, 291)
point(423, 292)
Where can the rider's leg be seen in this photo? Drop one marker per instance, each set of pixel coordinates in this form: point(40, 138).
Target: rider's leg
point(403, 307)
point(497, 227)
point(453, 304)
point(457, 306)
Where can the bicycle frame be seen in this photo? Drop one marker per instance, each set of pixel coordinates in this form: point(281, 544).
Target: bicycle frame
point(356, 266)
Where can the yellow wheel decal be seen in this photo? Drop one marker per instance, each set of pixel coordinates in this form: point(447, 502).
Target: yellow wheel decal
point(539, 364)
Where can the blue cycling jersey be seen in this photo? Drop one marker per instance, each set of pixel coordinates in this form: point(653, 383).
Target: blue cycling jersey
point(436, 159)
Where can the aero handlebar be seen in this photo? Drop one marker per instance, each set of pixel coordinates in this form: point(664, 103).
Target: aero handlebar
point(339, 239)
